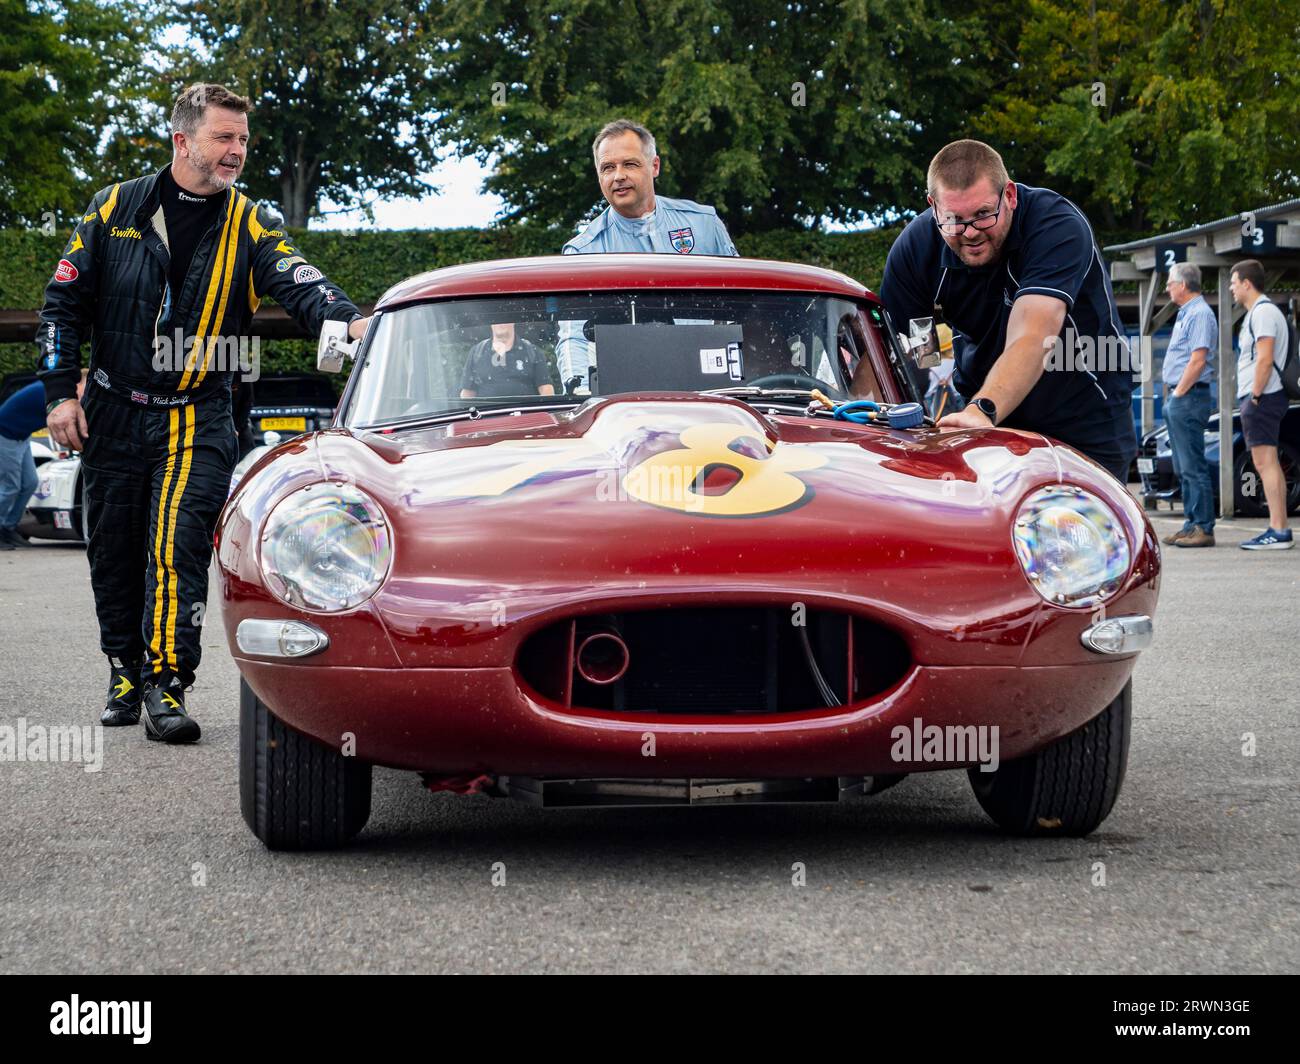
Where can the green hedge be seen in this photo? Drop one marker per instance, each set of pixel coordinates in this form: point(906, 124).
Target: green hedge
point(365, 264)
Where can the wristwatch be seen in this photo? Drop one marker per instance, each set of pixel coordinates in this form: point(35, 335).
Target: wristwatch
point(986, 407)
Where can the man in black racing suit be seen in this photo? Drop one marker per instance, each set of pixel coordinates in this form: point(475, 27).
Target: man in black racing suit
point(164, 272)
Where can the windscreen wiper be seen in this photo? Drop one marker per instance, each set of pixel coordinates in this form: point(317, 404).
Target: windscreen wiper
point(795, 398)
point(473, 413)
point(748, 392)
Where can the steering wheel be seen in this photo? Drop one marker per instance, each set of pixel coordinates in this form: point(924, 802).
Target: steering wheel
point(786, 380)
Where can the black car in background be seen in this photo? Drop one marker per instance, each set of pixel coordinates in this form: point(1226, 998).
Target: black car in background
point(1155, 464)
point(289, 404)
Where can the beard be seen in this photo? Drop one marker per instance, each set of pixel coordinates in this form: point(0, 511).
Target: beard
point(212, 172)
point(990, 250)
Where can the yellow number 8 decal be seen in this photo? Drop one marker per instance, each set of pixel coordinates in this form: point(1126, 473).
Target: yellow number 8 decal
point(719, 473)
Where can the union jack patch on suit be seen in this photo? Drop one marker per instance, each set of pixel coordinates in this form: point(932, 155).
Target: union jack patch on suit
point(682, 240)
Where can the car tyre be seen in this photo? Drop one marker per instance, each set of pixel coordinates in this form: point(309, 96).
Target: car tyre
point(296, 793)
point(1069, 786)
point(1256, 505)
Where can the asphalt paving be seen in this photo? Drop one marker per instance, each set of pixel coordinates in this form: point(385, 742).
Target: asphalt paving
point(146, 865)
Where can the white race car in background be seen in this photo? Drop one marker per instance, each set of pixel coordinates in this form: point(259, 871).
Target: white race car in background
point(270, 439)
point(287, 404)
point(55, 510)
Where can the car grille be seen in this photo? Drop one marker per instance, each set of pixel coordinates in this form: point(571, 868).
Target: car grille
point(717, 659)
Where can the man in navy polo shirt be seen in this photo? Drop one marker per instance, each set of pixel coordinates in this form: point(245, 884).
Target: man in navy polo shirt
point(1015, 270)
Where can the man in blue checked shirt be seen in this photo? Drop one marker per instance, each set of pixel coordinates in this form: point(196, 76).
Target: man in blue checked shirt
point(1189, 395)
point(636, 219)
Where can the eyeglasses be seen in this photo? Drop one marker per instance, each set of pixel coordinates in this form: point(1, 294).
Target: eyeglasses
point(982, 220)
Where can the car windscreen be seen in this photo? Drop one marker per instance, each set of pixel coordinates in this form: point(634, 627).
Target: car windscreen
point(511, 351)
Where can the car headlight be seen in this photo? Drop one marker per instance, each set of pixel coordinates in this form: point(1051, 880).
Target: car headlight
point(1071, 546)
point(326, 547)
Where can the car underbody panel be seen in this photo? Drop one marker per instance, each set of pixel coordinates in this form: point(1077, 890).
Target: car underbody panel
point(590, 793)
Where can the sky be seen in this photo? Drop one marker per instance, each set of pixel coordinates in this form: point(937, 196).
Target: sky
point(460, 201)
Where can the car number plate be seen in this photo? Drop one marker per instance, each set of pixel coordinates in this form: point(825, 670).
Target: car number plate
point(282, 424)
point(62, 519)
point(1146, 465)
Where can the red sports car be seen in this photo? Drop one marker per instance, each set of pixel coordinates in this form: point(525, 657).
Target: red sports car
point(641, 529)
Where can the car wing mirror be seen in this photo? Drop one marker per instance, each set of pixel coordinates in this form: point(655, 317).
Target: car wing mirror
point(334, 347)
point(922, 342)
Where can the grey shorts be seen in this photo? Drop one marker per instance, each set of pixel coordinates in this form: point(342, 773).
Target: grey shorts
point(1261, 423)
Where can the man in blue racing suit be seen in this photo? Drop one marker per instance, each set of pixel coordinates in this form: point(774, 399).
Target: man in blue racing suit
point(635, 220)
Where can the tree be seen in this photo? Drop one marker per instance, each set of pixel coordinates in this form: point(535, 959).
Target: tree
point(72, 103)
point(780, 113)
point(1151, 113)
point(340, 89)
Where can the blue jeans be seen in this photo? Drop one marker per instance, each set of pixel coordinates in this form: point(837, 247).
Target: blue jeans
point(1188, 417)
point(17, 480)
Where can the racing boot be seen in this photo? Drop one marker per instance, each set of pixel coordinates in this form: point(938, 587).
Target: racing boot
point(164, 712)
point(123, 705)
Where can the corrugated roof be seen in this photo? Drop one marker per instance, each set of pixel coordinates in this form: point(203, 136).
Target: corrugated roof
point(1197, 230)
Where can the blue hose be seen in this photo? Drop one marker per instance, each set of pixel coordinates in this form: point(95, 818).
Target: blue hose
point(856, 411)
point(898, 416)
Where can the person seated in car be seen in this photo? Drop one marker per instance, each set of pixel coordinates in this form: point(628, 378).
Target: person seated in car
point(505, 364)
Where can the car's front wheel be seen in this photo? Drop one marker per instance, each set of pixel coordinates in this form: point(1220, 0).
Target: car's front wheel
point(296, 793)
point(1069, 786)
point(1250, 491)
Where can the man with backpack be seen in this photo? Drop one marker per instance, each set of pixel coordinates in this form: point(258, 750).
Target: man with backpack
point(1262, 347)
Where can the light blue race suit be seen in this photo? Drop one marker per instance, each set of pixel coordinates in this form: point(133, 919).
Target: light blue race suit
point(674, 227)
